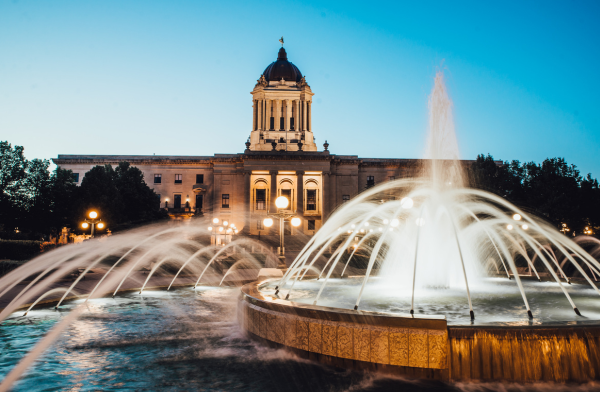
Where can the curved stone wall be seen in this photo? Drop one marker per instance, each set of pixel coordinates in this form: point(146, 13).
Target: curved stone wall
point(414, 344)
point(424, 346)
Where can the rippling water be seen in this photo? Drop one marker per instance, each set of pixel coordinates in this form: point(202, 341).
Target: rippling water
point(495, 300)
point(183, 340)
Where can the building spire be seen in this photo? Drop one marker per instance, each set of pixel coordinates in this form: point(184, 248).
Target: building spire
point(281, 41)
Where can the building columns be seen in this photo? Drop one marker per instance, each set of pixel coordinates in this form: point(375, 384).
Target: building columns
point(303, 115)
point(308, 116)
point(248, 200)
point(288, 114)
point(272, 207)
point(255, 115)
point(268, 121)
point(297, 116)
point(325, 201)
point(300, 195)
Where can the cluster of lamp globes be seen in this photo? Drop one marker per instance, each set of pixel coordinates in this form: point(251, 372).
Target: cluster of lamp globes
point(93, 215)
point(282, 202)
point(517, 217)
point(227, 227)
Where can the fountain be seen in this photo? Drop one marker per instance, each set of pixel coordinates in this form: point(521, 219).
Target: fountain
point(455, 283)
point(421, 277)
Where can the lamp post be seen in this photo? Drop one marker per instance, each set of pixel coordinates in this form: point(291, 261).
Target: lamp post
point(221, 231)
point(282, 214)
point(93, 221)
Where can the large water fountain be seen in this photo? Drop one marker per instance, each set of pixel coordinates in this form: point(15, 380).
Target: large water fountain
point(422, 277)
point(457, 283)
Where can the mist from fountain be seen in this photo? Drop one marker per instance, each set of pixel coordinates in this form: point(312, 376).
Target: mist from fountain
point(434, 233)
point(181, 255)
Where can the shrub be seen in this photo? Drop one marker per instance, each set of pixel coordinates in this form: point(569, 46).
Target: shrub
point(19, 249)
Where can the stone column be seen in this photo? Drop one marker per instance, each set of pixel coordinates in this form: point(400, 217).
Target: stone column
point(325, 202)
point(260, 109)
point(254, 115)
point(272, 207)
point(308, 117)
point(248, 202)
point(275, 114)
point(288, 114)
point(268, 116)
point(297, 116)
point(303, 115)
point(300, 194)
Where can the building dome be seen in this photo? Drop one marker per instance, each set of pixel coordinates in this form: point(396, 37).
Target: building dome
point(282, 68)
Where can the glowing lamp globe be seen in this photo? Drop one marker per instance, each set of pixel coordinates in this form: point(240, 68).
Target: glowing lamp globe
point(85, 225)
point(395, 222)
point(509, 227)
point(406, 203)
point(517, 217)
point(100, 225)
point(215, 220)
point(93, 214)
point(282, 202)
point(210, 228)
point(220, 229)
point(268, 222)
point(296, 221)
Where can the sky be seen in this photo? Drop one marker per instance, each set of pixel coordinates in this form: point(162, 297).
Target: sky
point(174, 77)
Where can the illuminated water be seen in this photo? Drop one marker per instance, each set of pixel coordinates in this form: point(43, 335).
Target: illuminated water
point(197, 346)
point(496, 300)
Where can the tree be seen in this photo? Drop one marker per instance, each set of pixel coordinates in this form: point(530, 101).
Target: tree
point(119, 195)
point(552, 188)
point(12, 173)
point(99, 192)
point(140, 202)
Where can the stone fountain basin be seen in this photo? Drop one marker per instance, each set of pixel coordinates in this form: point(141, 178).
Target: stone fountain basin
point(422, 346)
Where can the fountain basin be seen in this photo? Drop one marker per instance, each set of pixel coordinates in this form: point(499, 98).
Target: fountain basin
point(422, 346)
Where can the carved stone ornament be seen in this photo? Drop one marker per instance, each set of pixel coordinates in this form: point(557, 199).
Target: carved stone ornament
point(302, 82)
point(326, 145)
point(262, 81)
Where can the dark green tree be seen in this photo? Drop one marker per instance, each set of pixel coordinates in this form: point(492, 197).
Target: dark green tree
point(140, 202)
point(12, 173)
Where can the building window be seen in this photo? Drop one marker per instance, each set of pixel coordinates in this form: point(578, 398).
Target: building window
point(370, 181)
point(311, 200)
point(311, 225)
point(157, 178)
point(199, 178)
point(287, 193)
point(199, 200)
point(272, 127)
point(224, 201)
point(177, 201)
point(76, 177)
point(292, 126)
point(178, 178)
point(345, 198)
point(261, 199)
point(259, 225)
point(392, 178)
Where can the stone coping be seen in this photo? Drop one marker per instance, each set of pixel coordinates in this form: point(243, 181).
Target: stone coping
point(252, 294)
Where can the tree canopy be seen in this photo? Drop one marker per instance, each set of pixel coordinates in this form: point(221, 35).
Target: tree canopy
point(40, 202)
point(553, 189)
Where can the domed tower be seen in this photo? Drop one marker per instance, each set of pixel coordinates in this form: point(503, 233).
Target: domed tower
point(282, 102)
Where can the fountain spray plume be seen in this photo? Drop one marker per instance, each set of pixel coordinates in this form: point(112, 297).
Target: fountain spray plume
point(442, 146)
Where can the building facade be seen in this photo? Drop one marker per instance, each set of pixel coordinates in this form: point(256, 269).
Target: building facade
point(281, 159)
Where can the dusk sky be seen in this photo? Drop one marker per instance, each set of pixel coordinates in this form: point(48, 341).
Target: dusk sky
point(173, 77)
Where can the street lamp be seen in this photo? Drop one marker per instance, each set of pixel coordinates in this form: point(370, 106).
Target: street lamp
point(221, 232)
point(282, 214)
point(94, 222)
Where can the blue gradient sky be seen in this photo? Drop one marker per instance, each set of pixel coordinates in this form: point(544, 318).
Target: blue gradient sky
point(173, 77)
